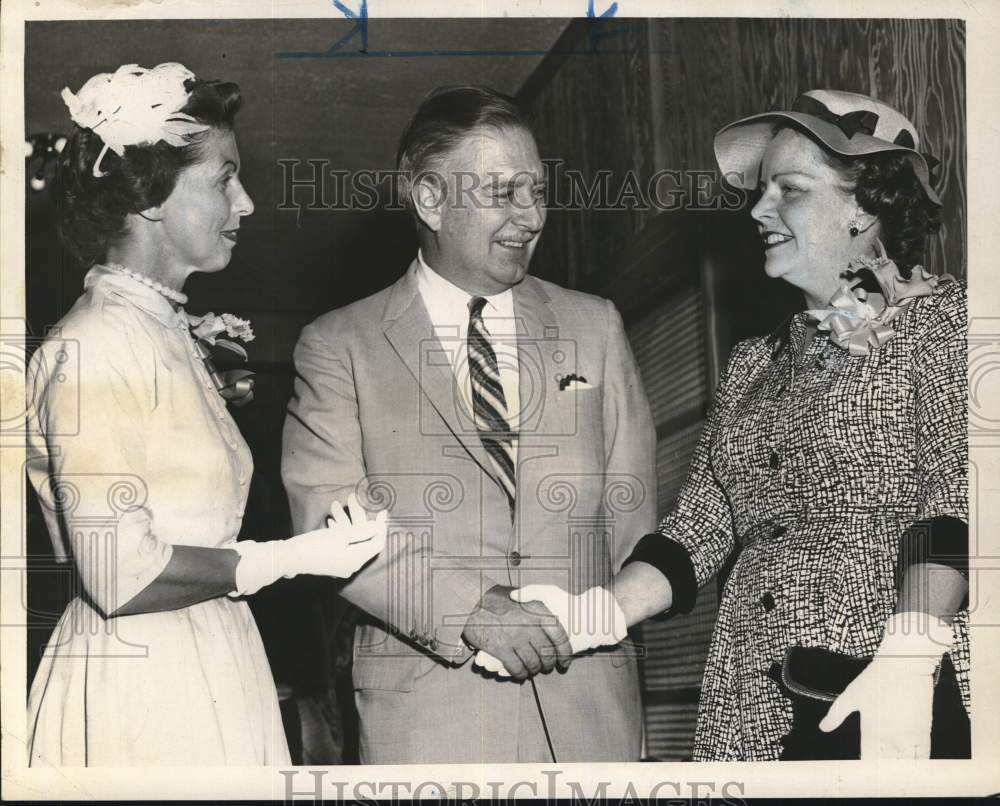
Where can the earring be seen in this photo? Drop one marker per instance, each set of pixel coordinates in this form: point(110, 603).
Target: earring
point(853, 227)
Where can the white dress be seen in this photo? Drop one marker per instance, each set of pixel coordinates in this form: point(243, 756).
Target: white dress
point(132, 452)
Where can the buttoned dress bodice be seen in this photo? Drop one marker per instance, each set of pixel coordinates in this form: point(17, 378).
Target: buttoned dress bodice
point(132, 451)
point(813, 463)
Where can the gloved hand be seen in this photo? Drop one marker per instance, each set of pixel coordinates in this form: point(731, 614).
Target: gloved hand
point(590, 619)
point(895, 692)
point(348, 542)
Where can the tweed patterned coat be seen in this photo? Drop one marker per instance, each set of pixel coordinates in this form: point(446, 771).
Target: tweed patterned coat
point(816, 462)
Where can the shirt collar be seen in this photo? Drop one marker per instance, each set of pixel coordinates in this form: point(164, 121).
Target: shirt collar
point(138, 294)
point(443, 297)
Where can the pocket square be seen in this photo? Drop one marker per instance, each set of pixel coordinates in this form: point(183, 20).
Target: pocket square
point(573, 382)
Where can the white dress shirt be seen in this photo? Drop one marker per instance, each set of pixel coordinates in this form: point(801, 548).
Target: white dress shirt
point(448, 308)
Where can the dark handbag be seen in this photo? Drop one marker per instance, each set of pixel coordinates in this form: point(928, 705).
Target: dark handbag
point(813, 677)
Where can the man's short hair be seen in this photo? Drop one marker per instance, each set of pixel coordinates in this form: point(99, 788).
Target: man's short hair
point(444, 117)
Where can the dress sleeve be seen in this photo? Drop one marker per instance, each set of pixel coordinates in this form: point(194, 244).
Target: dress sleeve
point(630, 438)
point(939, 366)
point(93, 396)
point(694, 540)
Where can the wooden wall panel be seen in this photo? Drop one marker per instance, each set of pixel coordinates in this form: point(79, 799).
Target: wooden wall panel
point(591, 110)
point(716, 71)
point(653, 96)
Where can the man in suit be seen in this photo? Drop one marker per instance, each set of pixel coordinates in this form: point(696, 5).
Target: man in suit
point(502, 421)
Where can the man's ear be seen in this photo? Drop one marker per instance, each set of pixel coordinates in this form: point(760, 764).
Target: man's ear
point(428, 195)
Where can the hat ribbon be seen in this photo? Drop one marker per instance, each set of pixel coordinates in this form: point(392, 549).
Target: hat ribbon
point(850, 123)
point(905, 139)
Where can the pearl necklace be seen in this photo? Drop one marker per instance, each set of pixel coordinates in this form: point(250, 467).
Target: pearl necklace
point(174, 296)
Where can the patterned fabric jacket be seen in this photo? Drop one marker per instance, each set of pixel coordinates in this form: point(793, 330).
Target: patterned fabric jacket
point(815, 464)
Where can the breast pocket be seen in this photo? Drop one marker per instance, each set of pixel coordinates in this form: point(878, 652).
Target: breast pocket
point(580, 410)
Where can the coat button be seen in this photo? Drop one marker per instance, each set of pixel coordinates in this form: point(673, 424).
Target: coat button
point(774, 460)
point(767, 600)
point(515, 558)
point(779, 531)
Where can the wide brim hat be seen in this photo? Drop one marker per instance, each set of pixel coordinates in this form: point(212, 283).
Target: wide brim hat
point(847, 123)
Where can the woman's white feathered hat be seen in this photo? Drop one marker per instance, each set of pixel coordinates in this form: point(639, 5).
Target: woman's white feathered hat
point(134, 106)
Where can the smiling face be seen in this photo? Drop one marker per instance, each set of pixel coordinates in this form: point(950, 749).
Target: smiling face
point(482, 233)
point(804, 217)
point(201, 216)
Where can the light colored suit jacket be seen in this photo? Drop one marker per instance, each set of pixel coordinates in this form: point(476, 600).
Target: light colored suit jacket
point(377, 411)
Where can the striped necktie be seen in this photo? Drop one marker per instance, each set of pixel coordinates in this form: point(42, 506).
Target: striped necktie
point(488, 401)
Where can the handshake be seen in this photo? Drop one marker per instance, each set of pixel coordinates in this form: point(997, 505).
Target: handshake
point(521, 632)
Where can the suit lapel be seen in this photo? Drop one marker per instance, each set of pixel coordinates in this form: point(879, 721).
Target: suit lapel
point(409, 331)
point(543, 356)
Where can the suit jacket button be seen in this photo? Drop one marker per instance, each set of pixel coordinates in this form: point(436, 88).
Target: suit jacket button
point(774, 460)
point(767, 600)
point(515, 558)
point(779, 531)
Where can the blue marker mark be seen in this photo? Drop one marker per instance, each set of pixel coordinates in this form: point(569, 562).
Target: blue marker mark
point(593, 35)
point(411, 54)
point(337, 51)
point(610, 11)
point(362, 25)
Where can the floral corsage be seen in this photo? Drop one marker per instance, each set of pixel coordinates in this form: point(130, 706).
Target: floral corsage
point(857, 322)
point(235, 385)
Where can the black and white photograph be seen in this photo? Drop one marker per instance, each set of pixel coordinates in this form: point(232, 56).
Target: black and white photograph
point(409, 401)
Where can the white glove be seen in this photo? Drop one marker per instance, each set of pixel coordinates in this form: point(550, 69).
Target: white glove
point(895, 692)
point(490, 663)
point(348, 542)
point(590, 619)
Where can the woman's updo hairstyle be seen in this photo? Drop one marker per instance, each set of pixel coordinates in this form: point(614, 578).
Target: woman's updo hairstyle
point(93, 209)
point(886, 186)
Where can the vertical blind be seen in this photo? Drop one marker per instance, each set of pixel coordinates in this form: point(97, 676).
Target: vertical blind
point(671, 350)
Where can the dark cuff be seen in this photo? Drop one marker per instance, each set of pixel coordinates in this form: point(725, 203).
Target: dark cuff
point(943, 540)
point(672, 560)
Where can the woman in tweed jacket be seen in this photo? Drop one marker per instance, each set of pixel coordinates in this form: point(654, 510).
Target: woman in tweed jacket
point(834, 456)
point(835, 453)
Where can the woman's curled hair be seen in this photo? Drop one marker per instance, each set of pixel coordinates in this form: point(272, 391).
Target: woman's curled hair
point(886, 186)
point(93, 209)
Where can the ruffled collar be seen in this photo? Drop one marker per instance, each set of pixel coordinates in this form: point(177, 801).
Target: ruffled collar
point(138, 294)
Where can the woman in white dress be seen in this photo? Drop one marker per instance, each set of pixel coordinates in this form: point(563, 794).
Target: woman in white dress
point(141, 471)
